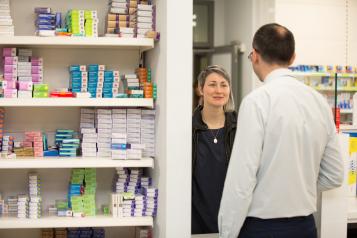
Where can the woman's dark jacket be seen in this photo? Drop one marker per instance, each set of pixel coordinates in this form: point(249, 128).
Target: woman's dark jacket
point(230, 125)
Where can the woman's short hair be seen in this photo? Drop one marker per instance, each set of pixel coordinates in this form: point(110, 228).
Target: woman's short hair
point(201, 80)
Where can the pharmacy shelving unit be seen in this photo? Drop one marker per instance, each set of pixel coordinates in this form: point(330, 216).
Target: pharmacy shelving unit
point(314, 79)
point(171, 64)
point(43, 106)
point(70, 48)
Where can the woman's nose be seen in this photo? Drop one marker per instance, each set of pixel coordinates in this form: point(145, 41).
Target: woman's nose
point(219, 89)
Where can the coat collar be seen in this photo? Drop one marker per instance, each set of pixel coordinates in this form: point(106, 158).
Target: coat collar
point(198, 123)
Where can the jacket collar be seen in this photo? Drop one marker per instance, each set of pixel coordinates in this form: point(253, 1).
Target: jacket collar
point(198, 123)
point(231, 120)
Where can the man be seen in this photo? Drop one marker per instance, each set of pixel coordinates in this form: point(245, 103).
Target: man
point(286, 149)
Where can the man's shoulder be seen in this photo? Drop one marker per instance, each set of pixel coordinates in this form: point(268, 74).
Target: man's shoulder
point(257, 93)
point(315, 93)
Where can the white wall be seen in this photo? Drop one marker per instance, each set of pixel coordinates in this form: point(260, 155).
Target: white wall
point(319, 27)
point(352, 33)
point(178, 116)
point(219, 23)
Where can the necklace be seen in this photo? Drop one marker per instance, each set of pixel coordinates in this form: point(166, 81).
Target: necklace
point(215, 140)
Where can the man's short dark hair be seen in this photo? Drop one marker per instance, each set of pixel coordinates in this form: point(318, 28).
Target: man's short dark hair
point(275, 43)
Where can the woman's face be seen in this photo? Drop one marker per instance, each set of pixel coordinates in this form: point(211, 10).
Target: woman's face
point(215, 91)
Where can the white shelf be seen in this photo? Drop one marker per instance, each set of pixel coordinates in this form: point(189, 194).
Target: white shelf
point(312, 74)
point(78, 42)
point(324, 74)
point(72, 162)
point(57, 222)
point(340, 89)
point(346, 111)
point(212, 235)
point(77, 102)
point(352, 210)
point(348, 128)
point(352, 216)
point(346, 75)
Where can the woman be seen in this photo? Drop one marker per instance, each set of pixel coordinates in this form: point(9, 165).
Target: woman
point(213, 130)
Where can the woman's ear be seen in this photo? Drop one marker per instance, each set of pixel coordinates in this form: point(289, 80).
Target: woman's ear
point(199, 91)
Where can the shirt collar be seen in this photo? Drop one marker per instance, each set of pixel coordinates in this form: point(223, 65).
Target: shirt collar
point(278, 73)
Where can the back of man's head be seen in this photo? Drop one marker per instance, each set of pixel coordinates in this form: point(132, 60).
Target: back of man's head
point(275, 43)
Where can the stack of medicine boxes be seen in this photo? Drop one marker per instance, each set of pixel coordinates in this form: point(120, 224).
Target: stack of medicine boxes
point(145, 19)
point(91, 23)
point(75, 22)
point(96, 80)
point(10, 72)
point(79, 78)
point(66, 143)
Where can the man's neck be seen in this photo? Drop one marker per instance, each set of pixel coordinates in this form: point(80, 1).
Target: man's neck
point(268, 68)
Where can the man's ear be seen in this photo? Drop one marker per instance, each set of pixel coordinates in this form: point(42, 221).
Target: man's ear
point(291, 61)
point(255, 57)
